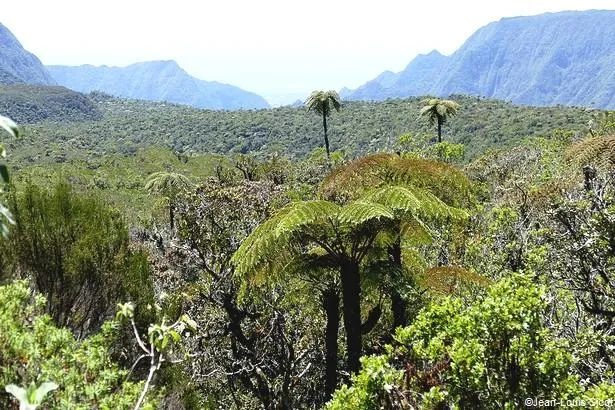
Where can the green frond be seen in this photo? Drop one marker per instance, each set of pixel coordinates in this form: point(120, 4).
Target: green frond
point(304, 213)
point(167, 183)
point(360, 212)
point(415, 201)
point(413, 259)
point(267, 241)
point(425, 110)
point(323, 102)
point(398, 198)
point(257, 248)
point(353, 179)
point(435, 108)
point(441, 109)
point(415, 232)
point(598, 151)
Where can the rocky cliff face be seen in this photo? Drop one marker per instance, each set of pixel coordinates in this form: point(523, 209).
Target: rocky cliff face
point(555, 58)
point(18, 66)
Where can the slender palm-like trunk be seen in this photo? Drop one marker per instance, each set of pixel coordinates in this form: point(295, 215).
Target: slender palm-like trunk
point(172, 215)
point(331, 302)
point(439, 129)
point(351, 292)
point(398, 304)
point(324, 125)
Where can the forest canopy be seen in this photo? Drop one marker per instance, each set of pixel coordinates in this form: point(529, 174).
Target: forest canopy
point(158, 256)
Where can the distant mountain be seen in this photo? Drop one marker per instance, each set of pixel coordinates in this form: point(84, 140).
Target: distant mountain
point(555, 58)
point(156, 81)
point(18, 66)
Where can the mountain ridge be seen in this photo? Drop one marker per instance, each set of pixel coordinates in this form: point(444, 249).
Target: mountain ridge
point(555, 58)
point(159, 80)
point(19, 66)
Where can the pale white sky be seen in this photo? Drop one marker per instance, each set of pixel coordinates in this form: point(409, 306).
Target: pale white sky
point(272, 47)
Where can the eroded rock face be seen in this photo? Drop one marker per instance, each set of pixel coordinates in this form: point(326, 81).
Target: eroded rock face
point(563, 58)
point(18, 66)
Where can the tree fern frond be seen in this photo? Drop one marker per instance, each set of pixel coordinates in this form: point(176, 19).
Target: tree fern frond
point(167, 183)
point(275, 234)
point(360, 212)
point(415, 232)
point(323, 101)
point(353, 179)
point(424, 110)
point(415, 201)
point(257, 247)
point(300, 214)
point(413, 259)
point(598, 151)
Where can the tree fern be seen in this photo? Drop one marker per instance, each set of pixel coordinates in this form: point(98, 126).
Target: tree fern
point(311, 235)
point(438, 111)
point(323, 103)
point(167, 183)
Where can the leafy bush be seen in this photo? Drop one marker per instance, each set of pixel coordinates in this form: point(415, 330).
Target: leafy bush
point(495, 353)
point(34, 350)
point(77, 252)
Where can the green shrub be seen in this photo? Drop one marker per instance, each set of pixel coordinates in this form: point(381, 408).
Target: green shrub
point(34, 350)
point(493, 354)
point(77, 252)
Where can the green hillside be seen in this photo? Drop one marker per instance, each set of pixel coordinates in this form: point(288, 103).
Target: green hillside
point(29, 104)
point(359, 128)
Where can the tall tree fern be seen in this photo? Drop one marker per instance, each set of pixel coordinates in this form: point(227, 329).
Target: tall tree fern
point(323, 103)
point(438, 112)
point(393, 181)
point(169, 185)
point(345, 233)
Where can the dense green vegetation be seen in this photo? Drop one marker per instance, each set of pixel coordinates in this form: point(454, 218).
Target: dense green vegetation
point(31, 103)
point(248, 270)
point(359, 128)
point(35, 350)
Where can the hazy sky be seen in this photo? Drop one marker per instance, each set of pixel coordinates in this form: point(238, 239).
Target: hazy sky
point(271, 47)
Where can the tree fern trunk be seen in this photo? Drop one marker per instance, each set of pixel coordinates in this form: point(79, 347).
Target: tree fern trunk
point(439, 129)
point(351, 292)
point(331, 302)
point(324, 125)
point(398, 304)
